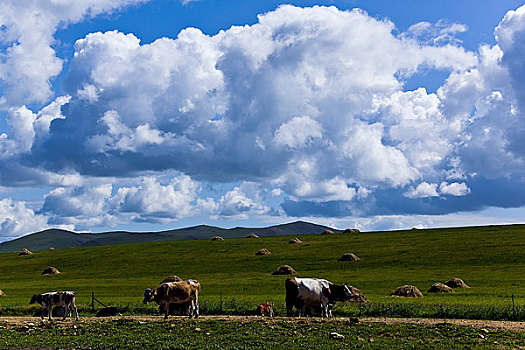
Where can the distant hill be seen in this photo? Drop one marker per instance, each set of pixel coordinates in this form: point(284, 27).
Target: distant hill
point(60, 239)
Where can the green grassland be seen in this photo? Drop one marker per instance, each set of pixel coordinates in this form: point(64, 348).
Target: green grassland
point(490, 259)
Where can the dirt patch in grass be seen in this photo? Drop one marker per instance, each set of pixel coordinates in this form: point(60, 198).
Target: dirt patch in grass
point(485, 324)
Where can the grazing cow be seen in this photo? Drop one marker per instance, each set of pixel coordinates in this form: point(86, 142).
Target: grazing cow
point(177, 293)
point(48, 300)
point(314, 292)
point(265, 309)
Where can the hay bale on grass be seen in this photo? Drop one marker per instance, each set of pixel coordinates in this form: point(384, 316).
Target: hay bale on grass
point(456, 283)
point(252, 235)
point(349, 257)
point(25, 251)
point(407, 291)
point(284, 270)
point(172, 278)
point(295, 241)
point(440, 288)
point(351, 230)
point(51, 248)
point(51, 270)
point(217, 238)
point(2, 294)
point(263, 251)
point(357, 295)
point(327, 232)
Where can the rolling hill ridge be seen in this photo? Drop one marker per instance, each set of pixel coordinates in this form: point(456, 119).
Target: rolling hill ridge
point(60, 239)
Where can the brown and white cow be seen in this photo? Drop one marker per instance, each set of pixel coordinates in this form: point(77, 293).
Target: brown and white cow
point(314, 292)
point(265, 309)
point(50, 299)
point(175, 293)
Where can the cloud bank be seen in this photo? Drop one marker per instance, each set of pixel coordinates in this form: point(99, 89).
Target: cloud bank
point(308, 104)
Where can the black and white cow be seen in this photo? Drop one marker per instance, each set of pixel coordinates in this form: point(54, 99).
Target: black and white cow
point(314, 292)
point(50, 299)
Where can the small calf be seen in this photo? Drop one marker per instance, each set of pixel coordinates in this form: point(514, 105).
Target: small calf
point(265, 309)
point(50, 299)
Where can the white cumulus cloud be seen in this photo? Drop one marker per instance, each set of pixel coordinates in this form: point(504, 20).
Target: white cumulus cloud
point(17, 220)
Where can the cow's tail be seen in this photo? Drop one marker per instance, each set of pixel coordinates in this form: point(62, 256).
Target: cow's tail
point(291, 294)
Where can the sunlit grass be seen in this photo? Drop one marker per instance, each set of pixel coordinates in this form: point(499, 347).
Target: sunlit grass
point(491, 260)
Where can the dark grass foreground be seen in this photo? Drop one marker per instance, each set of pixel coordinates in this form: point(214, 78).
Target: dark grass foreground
point(215, 334)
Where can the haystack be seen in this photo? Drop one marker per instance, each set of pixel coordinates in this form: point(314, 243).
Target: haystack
point(456, 283)
point(51, 270)
point(172, 278)
point(407, 291)
point(25, 251)
point(51, 248)
point(252, 235)
point(351, 230)
point(284, 270)
point(263, 251)
point(295, 241)
point(217, 238)
point(349, 257)
point(2, 294)
point(357, 295)
point(327, 232)
point(440, 288)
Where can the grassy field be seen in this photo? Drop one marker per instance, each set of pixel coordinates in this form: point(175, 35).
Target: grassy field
point(490, 259)
point(212, 334)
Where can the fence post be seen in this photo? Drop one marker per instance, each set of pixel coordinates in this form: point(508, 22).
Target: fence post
point(92, 300)
point(221, 302)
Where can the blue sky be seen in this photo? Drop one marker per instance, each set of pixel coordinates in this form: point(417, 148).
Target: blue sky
point(149, 115)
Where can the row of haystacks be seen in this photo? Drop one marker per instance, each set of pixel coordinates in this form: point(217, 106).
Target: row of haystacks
point(219, 238)
point(409, 291)
point(348, 230)
point(295, 240)
point(27, 252)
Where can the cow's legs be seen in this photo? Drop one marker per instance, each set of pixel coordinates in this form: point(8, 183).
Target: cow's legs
point(74, 307)
point(49, 312)
point(196, 306)
point(326, 309)
point(167, 308)
point(302, 311)
point(42, 313)
point(191, 308)
point(289, 308)
point(66, 311)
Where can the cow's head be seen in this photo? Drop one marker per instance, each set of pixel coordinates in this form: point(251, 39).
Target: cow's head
point(347, 292)
point(340, 293)
point(149, 295)
point(35, 299)
point(270, 308)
